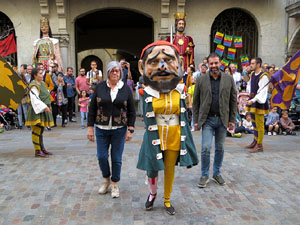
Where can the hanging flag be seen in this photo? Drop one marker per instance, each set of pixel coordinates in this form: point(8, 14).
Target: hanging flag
point(238, 42)
point(231, 53)
point(218, 38)
point(224, 63)
point(220, 50)
point(244, 60)
point(227, 40)
point(285, 81)
point(12, 88)
point(8, 46)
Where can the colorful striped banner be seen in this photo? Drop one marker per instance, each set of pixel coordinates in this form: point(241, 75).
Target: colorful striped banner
point(231, 53)
point(227, 40)
point(220, 50)
point(238, 42)
point(218, 38)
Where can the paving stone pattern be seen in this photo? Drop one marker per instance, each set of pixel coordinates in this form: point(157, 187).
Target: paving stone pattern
point(262, 188)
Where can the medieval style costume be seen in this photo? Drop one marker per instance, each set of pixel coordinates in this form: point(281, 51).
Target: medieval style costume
point(184, 43)
point(258, 95)
point(37, 117)
point(45, 47)
point(168, 139)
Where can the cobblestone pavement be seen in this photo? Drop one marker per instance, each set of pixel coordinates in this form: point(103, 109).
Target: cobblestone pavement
point(262, 188)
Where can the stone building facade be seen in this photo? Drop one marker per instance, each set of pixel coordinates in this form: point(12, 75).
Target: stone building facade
point(112, 29)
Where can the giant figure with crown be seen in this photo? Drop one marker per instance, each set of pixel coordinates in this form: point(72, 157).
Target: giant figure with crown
point(46, 46)
point(167, 140)
point(184, 43)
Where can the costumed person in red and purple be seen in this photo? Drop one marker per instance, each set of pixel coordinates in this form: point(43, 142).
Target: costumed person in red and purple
point(257, 105)
point(168, 139)
point(184, 43)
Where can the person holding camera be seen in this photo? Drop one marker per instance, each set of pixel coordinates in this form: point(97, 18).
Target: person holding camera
point(94, 76)
point(126, 70)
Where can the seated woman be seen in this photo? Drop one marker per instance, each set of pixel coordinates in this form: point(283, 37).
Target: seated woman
point(287, 125)
point(273, 121)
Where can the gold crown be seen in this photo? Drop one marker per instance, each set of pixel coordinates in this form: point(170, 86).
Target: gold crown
point(179, 16)
point(44, 22)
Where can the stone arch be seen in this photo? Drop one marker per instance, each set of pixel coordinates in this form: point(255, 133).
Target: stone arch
point(7, 28)
point(115, 30)
point(85, 63)
point(237, 22)
point(294, 43)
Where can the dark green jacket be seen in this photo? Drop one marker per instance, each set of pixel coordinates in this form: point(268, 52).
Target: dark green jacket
point(203, 98)
point(151, 155)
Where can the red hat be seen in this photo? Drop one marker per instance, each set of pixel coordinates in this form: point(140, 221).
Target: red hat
point(159, 43)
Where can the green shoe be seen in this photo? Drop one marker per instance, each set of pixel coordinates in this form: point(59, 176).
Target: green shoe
point(237, 135)
point(218, 179)
point(203, 181)
point(1, 131)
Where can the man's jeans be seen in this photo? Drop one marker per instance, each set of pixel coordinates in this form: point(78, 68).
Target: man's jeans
point(22, 109)
point(115, 139)
point(212, 126)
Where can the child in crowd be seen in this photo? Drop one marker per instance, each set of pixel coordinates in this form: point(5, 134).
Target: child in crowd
point(92, 89)
point(287, 125)
point(273, 121)
point(191, 94)
point(248, 124)
point(130, 82)
point(83, 103)
point(51, 61)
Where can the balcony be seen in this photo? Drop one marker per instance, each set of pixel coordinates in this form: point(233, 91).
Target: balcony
point(293, 8)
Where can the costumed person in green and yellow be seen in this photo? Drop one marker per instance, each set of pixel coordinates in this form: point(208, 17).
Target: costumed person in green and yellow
point(46, 47)
point(257, 104)
point(168, 139)
point(184, 43)
point(39, 112)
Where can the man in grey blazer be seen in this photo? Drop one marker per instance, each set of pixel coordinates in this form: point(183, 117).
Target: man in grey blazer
point(214, 108)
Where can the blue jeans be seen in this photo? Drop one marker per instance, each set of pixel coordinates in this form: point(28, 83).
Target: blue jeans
point(249, 131)
point(115, 139)
point(212, 126)
point(84, 115)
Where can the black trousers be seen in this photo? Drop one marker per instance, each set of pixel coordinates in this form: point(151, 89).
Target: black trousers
point(71, 102)
point(63, 109)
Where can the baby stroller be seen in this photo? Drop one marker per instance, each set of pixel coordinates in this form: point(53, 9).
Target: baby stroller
point(8, 117)
point(242, 98)
point(294, 112)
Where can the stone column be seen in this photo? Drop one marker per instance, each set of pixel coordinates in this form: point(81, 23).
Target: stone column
point(164, 30)
point(64, 40)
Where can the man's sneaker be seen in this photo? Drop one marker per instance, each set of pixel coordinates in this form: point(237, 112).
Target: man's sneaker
point(115, 192)
point(284, 133)
point(269, 133)
point(218, 179)
point(274, 133)
point(104, 187)
point(203, 181)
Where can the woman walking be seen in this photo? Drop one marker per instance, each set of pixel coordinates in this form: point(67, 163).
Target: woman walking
point(39, 113)
point(112, 112)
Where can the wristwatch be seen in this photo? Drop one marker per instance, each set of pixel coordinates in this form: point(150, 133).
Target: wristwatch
point(131, 131)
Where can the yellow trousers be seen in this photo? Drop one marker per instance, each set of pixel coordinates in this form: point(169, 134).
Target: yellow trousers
point(37, 137)
point(170, 158)
point(258, 122)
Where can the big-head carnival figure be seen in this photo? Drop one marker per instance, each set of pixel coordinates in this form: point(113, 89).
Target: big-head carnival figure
point(46, 48)
point(168, 139)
